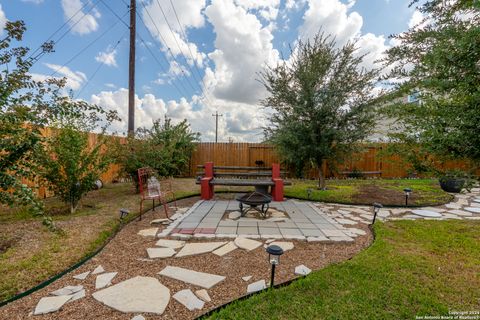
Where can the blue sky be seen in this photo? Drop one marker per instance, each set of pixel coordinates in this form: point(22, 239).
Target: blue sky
point(230, 41)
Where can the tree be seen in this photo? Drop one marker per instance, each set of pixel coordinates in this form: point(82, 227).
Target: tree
point(67, 162)
point(24, 109)
point(321, 100)
point(438, 60)
point(165, 147)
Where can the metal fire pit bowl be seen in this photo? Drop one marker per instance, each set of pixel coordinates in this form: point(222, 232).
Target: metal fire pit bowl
point(256, 201)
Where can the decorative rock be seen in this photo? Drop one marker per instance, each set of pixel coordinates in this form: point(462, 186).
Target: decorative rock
point(160, 221)
point(247, 278)
point(66, 290)
point(229, 247)
point(427, 213)
point(50, 304)
point(78, 295)
point(188, 299)
point(81, 276)
point(302, 270)
point(247, 244)
point(201, 279)
point(98, 270)
point(198, 248)
point(269, 240)
point(150, 232)
point(472, 209)
point(256, 286)
point(203, 294)
point(276, 219)
point(104, 280)
point(139, 294)
point(174, 244)
point(284, 245)
point(160, 252)
point(234, 215)
point(138, 317)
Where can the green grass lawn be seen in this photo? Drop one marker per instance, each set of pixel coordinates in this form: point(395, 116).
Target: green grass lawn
point(414, 268)
point(426, 192)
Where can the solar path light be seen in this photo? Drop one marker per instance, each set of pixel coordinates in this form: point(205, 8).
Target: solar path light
point(376, 209)
point(408, 192)
point(274, 253)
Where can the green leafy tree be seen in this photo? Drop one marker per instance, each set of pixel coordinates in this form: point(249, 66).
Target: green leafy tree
point(438, 61)
point(165, 147)
point(322, 106)
point(24, 110)
point(68, 163)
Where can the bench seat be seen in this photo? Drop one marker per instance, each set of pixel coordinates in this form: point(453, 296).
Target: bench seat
point(243, 182)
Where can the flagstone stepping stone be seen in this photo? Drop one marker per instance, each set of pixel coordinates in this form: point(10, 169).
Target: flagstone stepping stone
point(66, 290)
point(81, 276)
point(317, 239)
point(77, 295)
point(247, 278)
point(203, 294)
point(476, 200)
point(247, 244)
point(160, 252)
point(269, 240)
point(383, 213)
point(50, 304)
point(174, 244)
point(453, 206)
point(347, 221)
point(138, 317)
point(188, 299)
point(256, 286)
point(284, 245)
point(98, 270)
point(277, 219)
point(150, 232)
point(191, 249)
point(160, 221)
point(234, 215)
point(104, 280)
point(357, 231)
point(460, 212)
point(472, 209)
point(344, 212)
point(138, 294)
point(426, 213)
point(201, 279)
point(229, 247)
point(342, 239)
point(302, 270)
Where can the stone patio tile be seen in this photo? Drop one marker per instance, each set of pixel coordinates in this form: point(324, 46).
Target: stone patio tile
point(247, 230)
point(271, 237)
point(333, 233)
point(226, 230)
point(150, 232)
point(256, 286)
point(357, 231)
point(135, 295)
point(290, 232)
point(207, 225)
point(305, 225)
point(341, 239)
point(326, 226)
point(267, 224)
point(286, 225)
point(174, 244)
point(188, 225)
point(160, 252)
point(247, 244)
point(283, 244)
point(227, 223)
point(209, 230)
point(269, 231)
point(247, 223)
point(189, 231)
point(347, 221)
point(311, 232)
point(201, 279)
point(50, 304)
point(229, 247)
point(188, 299)
point(104, 279)
point(317, 239)
point(198, 248)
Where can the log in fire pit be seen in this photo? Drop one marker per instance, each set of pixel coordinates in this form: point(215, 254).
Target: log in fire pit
point(256, 201)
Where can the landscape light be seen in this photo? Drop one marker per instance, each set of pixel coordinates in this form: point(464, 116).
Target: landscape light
point(376, 209)
point(123, 213)
point(407, 191)
point(309, 193)
point(274, 253)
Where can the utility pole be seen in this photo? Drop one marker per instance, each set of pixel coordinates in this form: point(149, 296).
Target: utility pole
point(216, 115)
point(131, 71)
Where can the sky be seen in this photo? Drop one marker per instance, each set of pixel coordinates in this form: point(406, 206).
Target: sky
point(193, 57)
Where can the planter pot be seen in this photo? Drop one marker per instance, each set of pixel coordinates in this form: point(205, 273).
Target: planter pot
point(454, 185)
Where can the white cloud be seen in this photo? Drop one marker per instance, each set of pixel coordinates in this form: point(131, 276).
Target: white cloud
point(107, 57)
point(268, 9)
point(416, 19)
point(75, 79)
point(3, 19)
point(81, 23)
point(34, 1)
point(110, 85)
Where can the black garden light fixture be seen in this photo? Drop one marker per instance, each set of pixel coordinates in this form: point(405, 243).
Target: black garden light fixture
point(274, 253)
point(309, 193)
point(376, 209)
point(123, 213)
point(408, 192)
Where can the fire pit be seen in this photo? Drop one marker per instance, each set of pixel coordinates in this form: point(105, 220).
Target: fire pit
point(256, 201)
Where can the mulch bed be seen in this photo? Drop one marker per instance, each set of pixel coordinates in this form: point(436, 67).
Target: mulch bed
point(122, 255)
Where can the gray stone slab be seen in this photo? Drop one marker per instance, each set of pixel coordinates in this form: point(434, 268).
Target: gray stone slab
point(98, 269)
point(426, 213)
point(208, 225)
point(302, 270)
point(256, 286)
point(267, 224)
point(189, 300)
point(174, 244)
point(150, 232)
point(188, 225)
point(191, 249)
point(226, 230)
point(247, 244)
point(305, 225)
point(160, 252)
point(104, 279)
point(81, 276)
point(50, 304)
point(247, 230)
point(333, 233)
point(203, 294)
point(285, 225)
point(201, 279)
point(139, 294)
point(227, 223)
point(290, 232)
point(472, 209)
point(269, 231)
point(229, 247)
point(311, 232)
point(247, 223)
point(66, 290)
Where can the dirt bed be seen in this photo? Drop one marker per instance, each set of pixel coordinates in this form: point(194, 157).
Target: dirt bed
point(122, 255)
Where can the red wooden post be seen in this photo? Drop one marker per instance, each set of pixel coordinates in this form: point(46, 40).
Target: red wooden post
point(206, 187)
point(277, 189)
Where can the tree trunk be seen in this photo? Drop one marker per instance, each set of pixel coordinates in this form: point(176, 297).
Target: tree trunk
point(73, 207)
point(321, 177)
